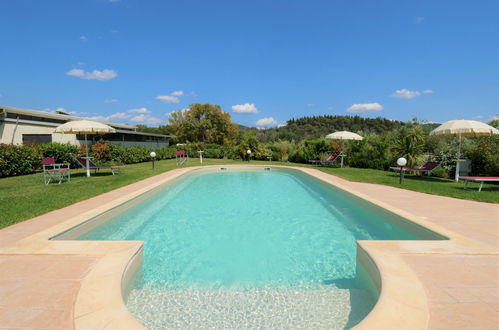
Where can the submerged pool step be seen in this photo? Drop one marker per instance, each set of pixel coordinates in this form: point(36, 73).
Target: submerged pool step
point(260, 308)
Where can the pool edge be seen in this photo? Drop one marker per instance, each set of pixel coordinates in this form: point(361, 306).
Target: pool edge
point(385, 257)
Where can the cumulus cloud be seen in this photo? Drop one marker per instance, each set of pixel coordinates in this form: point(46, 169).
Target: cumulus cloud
point(83, 38)
point(139, 110)
point(118, 115)
point(110, 100)
point(267, 121)
point(173, 97)
point(245, 108)
point(177, 93)
point(114, 116)
point(407, 94)
point(146, 119)
point(94, 75)
point(365, 107)
point(168, 98)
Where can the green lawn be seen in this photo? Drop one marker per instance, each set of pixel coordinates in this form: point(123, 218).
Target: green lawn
point(430, 185)
point(24, 197)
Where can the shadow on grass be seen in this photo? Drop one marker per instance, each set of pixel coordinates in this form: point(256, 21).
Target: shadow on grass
point(421, 178)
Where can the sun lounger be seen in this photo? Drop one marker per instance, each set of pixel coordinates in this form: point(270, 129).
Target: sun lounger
point(114, 168)
point(427, 168)
point(55, 172)
point(480, 179)
point(330, 159)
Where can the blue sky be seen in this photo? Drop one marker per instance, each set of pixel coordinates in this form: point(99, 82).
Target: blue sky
point(135, 61)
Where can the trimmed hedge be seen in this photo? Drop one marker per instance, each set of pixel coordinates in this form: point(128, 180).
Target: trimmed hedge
point(19, 160)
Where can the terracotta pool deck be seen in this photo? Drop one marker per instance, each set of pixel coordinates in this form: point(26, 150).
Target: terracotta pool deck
point(451, 284)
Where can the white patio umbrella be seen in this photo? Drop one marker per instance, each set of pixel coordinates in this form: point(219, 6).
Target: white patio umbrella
point(343, 135)
point(84, 127)
point(467, 128)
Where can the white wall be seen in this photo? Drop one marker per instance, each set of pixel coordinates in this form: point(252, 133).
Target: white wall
point(10, 134)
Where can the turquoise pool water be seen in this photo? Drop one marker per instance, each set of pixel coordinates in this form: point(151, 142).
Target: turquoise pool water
point(223, 234)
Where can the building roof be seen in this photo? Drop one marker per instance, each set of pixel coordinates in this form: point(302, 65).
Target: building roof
point(54, 115)
point(120, 128)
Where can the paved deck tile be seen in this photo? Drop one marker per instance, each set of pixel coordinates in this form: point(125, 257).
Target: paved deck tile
point(39, 290)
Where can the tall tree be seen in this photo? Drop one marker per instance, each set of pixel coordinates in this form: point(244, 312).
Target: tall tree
point(205, 123)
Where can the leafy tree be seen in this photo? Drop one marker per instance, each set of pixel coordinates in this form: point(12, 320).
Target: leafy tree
point(494, 123)
point(205, 123)
point(161, 129)
point(249, 141)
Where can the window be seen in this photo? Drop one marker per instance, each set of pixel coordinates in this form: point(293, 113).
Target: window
point(37, 138)
point(35, 118)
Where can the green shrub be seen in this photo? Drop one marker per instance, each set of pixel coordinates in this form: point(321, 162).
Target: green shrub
point(372, 152)
point(19, 159)
point(102, 151)
point(484, 156)
point(62, 152)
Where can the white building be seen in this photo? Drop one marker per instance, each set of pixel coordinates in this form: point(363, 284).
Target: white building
point(21, 126)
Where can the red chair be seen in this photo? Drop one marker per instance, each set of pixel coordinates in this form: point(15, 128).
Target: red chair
point(54, 171)
point(181, 157)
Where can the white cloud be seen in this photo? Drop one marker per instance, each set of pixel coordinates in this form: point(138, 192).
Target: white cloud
point(76, 113)
point(177, 93)
point(267, 121)
point(407, 94)
point(94, 75)
point(118, 115)
point(168, 98)
point(110, 100)
point(174, 97)
point(419, 19)
point(83, 38)
point(365, 107)
point(139, 110)
point(114, 116)
point(146, 119)
point(310, 105)
point(245, 108)
point(193, 94)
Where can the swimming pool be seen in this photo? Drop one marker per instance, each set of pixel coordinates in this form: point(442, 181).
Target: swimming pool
point(251, 248)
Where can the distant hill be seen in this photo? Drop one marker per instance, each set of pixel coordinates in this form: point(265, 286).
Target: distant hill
point(319, 126)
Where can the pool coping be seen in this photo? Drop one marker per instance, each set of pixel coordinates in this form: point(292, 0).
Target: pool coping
point(99, 303)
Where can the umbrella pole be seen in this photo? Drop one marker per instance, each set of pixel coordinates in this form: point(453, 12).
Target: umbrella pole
point(86, 151)
point(458, 161)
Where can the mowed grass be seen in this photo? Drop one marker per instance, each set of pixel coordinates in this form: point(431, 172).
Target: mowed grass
point(25, 197)
point(421, 183)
